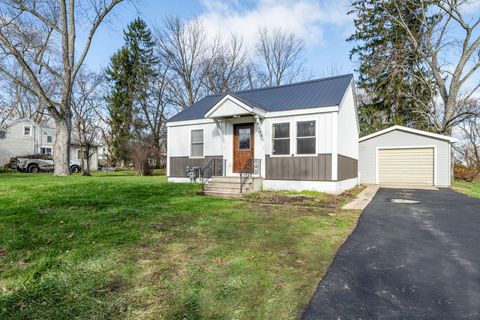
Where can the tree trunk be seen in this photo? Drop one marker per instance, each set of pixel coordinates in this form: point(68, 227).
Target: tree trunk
point(86, 167)
point(61, 148)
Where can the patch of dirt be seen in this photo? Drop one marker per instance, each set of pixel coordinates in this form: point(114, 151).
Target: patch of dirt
point(278, 198)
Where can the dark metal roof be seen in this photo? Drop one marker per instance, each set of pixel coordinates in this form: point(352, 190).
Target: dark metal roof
point(318, 93)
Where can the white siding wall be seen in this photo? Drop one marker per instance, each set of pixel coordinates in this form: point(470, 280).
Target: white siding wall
point(325, 129)
point(218, 138)
point(348, 126)
point(367, 161)
point(178, 144)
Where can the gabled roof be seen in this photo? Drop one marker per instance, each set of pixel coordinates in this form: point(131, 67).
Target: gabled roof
point(410, 130)
point(325, 92)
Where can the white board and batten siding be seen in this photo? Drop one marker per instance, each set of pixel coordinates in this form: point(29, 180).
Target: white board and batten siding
point(401, 156)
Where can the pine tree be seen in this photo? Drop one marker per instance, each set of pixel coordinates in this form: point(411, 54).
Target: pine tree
point(388, 70)
point(129, 74)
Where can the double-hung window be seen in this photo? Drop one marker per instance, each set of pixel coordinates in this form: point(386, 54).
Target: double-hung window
point(3, 134)
point(49, 139)
point(27, 130)
point(306, 137)
point(281, 138)
point(196, 147)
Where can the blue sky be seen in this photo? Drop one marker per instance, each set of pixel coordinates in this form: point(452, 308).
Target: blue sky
point(323, 25)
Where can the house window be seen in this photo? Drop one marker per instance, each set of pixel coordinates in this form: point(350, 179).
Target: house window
point(3, 134)
point(44, 150)
point(49, 139)
point(281, 138)
point(79, 154)
point(196, 148)
point(306, 137)
point(27, 130)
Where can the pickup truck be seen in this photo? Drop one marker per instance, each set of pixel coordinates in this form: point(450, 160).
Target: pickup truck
point(36, 165)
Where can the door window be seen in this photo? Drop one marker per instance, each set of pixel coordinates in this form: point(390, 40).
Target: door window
point(244, 139)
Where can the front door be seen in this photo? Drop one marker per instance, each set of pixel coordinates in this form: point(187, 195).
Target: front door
point(243, 143)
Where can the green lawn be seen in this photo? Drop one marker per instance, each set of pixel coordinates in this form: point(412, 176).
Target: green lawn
point(470, 188)
point(116, 246)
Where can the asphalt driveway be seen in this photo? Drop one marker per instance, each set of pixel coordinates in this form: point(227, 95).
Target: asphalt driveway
point(407, 261)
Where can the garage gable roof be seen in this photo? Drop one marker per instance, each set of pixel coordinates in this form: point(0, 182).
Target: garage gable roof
point(410, 130)
point(325, 92)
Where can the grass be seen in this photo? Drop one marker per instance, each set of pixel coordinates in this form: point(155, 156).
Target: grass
point(116, 246)
point(470, 188)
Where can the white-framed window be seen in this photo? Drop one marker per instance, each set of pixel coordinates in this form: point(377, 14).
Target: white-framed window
point(49, 139)
point(196, 143)
point(27, 130)
point(79, 154)
point(281, 138)
point(3, 134)
point(306, 137)
point(45, 150)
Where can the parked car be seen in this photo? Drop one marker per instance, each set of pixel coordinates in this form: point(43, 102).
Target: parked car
point(36, 165)
point(105, 168)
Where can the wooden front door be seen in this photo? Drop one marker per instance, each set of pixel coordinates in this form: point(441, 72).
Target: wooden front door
point(243, 143)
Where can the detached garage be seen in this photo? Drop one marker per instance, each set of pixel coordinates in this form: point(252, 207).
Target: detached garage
point(404, 156)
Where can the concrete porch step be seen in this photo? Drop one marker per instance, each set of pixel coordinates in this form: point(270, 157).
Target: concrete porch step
point(236, 189)
point(221, 185)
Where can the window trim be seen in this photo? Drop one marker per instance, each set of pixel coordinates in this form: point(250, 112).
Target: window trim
point(30, 130)
point(289, 154)
point(203, 144)
point(305, 137)
point(51, 139)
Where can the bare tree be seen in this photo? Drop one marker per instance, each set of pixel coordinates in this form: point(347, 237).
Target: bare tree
point(86, 100)
point(32, 35)
point(448, 47)
point(279, 55)
point(21, 103)
point(226, 66)
point(154, 113)
point(181, 47)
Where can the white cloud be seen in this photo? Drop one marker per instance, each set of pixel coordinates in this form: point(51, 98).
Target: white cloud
point(307, 19)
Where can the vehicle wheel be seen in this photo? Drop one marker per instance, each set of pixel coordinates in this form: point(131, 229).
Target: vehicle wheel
point(33, 168)
point(75, 169)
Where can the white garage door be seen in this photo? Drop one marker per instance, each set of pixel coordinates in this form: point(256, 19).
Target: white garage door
point(406, 166)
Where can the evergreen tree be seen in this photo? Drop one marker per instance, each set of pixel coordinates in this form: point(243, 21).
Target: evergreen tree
point(129, 73)
point(389, 74)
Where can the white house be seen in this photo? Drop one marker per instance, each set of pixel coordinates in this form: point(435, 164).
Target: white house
point(301, 136)
point(23, 137)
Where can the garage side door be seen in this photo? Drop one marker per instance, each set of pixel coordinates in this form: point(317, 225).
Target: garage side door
point(406, 166)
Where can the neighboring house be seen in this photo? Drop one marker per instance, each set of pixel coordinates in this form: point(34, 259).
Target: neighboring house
point(405, 156)
point(24, 137)
point(301, 136)
point(103, 153)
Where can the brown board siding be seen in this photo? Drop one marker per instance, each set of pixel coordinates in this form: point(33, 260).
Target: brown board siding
point(347, 168)
point(314, 168)
point(178, 165)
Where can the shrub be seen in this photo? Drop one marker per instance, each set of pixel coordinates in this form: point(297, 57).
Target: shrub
point(7, 170)
point(468, 174)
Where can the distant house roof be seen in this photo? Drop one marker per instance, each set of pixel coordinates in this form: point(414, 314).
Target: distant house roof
point(318, 93)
